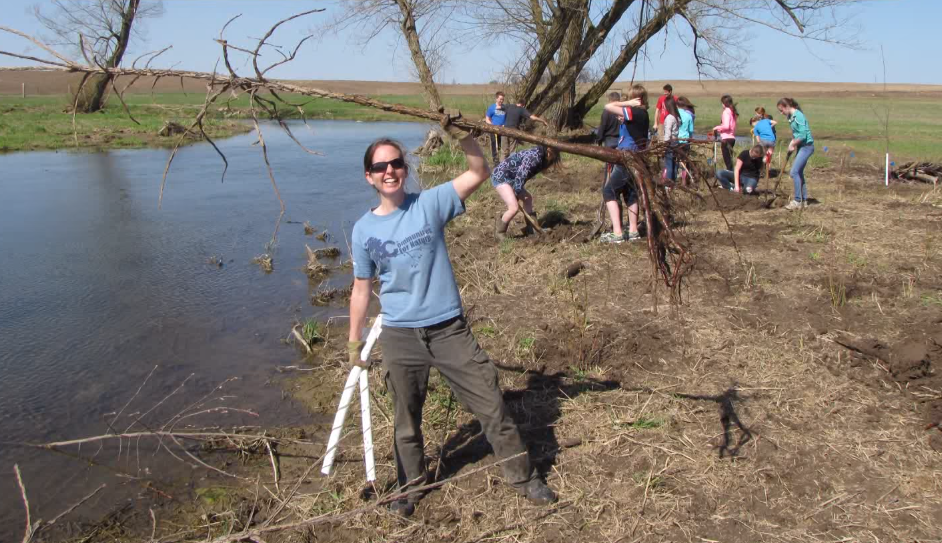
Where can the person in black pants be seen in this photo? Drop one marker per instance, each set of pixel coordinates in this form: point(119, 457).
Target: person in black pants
point(726, 130)
point(606, 134)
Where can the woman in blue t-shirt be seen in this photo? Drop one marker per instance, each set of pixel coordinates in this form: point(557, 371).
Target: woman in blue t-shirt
point(402, 242)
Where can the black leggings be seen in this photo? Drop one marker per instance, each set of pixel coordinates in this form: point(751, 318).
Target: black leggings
point(728, 145)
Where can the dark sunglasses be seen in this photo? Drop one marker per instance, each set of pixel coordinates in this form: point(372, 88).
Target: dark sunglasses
point(380, 167)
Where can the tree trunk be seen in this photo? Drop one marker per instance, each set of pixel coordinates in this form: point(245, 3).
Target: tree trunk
point(591, 38)
point(94, 99)
point(558, 115)
point(407, 25)
point(550, 42)
point(628, 52)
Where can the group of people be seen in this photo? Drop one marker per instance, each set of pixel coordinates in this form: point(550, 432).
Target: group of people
point(743, 174)
point(625, 124)
point(401, 241)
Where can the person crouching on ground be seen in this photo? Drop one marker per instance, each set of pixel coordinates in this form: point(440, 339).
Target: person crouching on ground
point(510, 177)
point(745, 175)
point(802, 145)
point(402, 242)
point(763, 128)
point(633, 136)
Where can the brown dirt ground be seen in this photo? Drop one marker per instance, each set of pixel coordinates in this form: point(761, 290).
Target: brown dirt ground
point(57, 83)
point(786, 399)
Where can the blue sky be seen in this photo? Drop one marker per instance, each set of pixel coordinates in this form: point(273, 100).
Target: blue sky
point(907, 30)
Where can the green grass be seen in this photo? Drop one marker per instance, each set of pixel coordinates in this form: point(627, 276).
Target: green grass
point(312, 331)
point(644, 423)
point(448, 157)
point(843, 124)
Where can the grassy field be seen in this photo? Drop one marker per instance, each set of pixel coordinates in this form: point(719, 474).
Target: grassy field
point(842, 123)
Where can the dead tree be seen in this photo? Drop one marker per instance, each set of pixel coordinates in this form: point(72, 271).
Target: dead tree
point(100, 30)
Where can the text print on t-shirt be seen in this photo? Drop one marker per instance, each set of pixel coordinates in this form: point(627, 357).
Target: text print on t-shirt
point(412, 245)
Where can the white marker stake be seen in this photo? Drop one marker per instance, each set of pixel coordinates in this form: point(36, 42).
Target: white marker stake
point(367, 423)
point(345, 397)
point(339, 418)
point(887, 180)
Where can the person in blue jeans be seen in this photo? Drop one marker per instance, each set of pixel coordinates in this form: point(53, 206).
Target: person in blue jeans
point(802, 145)
point(745, 174)
point(496, 115)
point(402, 242)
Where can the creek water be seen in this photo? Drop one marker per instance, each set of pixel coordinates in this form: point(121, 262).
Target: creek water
point(98, 287)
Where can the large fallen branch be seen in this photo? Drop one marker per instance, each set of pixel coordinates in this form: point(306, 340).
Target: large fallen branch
point(669, 256)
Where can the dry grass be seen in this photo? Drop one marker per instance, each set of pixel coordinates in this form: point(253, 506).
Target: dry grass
point(734, 417)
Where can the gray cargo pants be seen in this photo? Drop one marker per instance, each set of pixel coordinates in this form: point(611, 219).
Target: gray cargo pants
point(408, 354)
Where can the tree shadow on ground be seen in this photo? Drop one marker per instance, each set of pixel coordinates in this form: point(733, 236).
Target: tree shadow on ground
point(728, 419)
point(536, 410)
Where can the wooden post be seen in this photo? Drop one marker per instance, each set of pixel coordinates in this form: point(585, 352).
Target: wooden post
point(24, 90)
point(70, 89)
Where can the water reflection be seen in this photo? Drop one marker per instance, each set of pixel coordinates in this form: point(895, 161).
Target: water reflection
point(97, 286)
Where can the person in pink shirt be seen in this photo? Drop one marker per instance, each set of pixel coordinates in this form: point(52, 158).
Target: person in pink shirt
point(726, 131)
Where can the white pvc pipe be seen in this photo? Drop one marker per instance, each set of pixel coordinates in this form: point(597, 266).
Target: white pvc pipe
point(367, 423)
point(339, 418)
point(887, 179)
point(356, 374)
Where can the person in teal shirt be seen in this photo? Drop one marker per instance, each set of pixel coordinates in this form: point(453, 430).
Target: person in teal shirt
point(685, 133)
point(802, 145)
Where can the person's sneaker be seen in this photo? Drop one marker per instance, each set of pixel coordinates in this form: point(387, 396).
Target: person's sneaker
point(632, 236)
point(794, 204)
point(403, 508)
point(538, 493)
point(611, 237)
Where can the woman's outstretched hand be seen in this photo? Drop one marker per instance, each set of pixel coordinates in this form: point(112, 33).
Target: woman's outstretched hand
point(452, 130)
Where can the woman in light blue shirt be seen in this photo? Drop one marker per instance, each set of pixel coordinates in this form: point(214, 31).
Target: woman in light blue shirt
point(401, 241)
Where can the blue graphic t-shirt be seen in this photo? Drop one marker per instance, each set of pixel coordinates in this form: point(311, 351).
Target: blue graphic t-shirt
point(406, 249)
point(498, 116)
